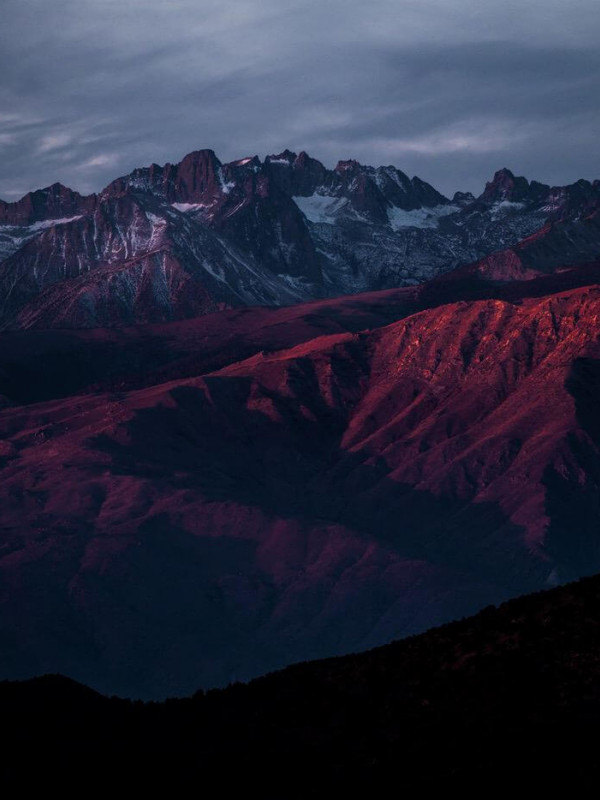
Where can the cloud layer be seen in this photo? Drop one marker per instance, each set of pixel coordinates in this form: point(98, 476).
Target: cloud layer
point(450, 90)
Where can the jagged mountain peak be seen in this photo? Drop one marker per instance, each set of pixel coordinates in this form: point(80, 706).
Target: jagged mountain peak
point(463, 198)
point(204, 160)
point(205, 153)
point(502, 173)
point(51, 202)
point(54, 189)
point(505, 186)
point(348, 165)
point(508, 188)
point(285, 157)
point(304, 158)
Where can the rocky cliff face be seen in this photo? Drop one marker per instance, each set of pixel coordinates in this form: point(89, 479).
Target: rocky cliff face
point(173, 241)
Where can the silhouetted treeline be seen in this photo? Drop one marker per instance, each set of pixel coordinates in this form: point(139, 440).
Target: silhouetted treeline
point(509, 695)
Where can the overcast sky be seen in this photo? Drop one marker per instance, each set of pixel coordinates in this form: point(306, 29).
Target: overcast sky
point(450, 90)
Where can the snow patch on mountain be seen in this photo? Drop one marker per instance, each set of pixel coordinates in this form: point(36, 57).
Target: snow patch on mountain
point(50, 223)
point(321, 208)
point(226, 186)
point(505, 207)
point(185, 207)
point(12, 237)
point(419, 217)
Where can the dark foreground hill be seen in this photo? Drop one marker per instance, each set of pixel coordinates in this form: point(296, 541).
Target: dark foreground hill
point(510, 696)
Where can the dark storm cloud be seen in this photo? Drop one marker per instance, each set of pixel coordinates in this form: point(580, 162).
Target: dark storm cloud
point(450, 90)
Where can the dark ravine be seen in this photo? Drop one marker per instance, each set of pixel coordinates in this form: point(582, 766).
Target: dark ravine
point(511, 694)
point(180, 240)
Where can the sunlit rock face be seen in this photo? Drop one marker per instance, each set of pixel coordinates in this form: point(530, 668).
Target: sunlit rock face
point(202, 501)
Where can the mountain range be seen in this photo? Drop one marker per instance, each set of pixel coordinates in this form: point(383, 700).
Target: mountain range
point(177, 241)
point(218, 458)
